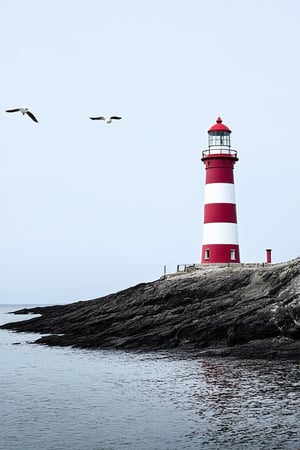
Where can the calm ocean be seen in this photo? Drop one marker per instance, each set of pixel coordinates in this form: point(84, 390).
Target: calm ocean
point(69, 399)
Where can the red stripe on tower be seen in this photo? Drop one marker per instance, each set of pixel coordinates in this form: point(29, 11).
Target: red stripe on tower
point(220, 212)
point(220, 236)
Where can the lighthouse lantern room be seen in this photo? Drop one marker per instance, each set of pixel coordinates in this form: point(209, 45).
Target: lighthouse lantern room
point(220, 235)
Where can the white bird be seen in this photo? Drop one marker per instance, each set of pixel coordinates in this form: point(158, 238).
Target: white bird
point(23, 111)
point(107, 120)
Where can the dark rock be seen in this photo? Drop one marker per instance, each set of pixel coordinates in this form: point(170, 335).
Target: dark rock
point(245, 311)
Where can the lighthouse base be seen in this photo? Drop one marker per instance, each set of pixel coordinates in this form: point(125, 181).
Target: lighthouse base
point(220, 253)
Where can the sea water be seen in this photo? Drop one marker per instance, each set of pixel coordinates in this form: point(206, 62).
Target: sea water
point(70, 399)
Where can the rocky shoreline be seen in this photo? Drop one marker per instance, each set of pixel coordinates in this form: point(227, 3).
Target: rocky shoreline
point(242, 311)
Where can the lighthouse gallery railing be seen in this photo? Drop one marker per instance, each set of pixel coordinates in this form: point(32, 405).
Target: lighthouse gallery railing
point(219, 151)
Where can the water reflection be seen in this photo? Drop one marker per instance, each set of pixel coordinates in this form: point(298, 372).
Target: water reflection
point(87, 399)
point(249, 403)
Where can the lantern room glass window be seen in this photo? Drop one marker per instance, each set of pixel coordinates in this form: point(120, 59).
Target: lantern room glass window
point(217, 138)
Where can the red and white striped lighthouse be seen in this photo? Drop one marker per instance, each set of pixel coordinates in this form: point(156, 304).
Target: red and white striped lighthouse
point(220, 235)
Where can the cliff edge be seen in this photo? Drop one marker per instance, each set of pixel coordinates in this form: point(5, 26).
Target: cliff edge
point(245, 311)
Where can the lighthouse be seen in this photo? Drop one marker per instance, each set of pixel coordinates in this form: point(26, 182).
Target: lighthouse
point(220, 234)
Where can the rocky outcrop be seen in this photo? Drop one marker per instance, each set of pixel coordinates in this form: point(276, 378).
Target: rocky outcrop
point(245, 311)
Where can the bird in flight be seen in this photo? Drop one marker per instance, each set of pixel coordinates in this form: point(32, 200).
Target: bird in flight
point(107, 120)
point(23, 111)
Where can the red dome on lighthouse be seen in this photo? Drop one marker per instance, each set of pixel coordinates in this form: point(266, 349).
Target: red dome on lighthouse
point(219, 126)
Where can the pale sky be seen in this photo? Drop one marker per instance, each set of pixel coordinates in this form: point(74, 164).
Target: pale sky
point(89, 208)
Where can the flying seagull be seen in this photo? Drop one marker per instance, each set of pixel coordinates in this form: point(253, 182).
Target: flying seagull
point(108, 120)
point(23, 111)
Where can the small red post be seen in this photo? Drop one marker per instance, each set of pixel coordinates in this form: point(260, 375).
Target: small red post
point(269, 257)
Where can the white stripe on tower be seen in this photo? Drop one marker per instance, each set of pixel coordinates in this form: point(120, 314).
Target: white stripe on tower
point(219, 193)
point(220, 233)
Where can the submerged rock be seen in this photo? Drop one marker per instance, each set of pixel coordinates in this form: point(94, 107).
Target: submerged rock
point(246, 311)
